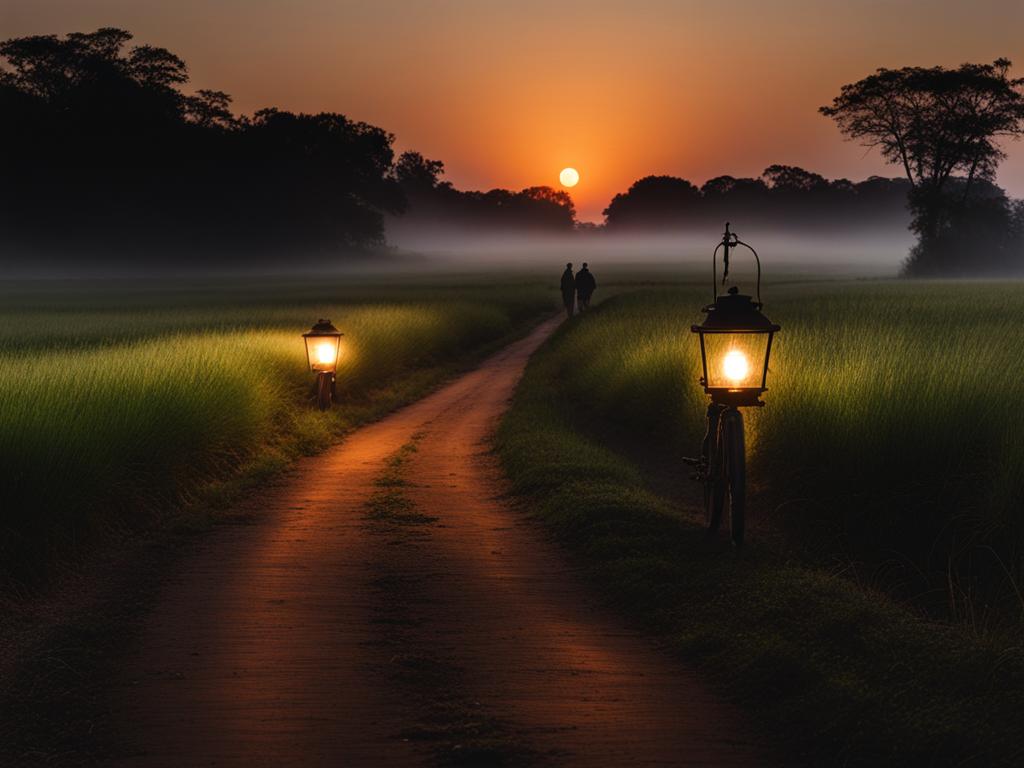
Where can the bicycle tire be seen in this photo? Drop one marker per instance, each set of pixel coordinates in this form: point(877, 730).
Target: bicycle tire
point(734, 449)
point(323, 394)
point(715, 485)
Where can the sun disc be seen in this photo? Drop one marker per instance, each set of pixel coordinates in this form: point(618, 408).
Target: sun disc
point(569, 177)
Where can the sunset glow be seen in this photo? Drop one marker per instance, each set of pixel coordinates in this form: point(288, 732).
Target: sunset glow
point(502, 95)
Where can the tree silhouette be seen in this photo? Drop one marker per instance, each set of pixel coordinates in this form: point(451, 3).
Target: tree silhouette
point(416, 173)
point(785, 198)
point(793, 179)
point(436, 204)
point(936, 123)
point(105, 153)
point(653, 202)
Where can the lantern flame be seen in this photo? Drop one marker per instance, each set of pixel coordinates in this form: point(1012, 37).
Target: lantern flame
point(325, 353)
point(735, 365)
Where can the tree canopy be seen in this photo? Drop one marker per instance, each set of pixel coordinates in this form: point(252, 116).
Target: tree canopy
point(943, 127)
point(934, 122)
point(436, 204)
point(104, 152)
point(784, 197)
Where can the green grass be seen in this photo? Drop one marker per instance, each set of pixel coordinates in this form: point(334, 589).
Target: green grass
point(882, 462)
point(890, 440)
point(120, 405)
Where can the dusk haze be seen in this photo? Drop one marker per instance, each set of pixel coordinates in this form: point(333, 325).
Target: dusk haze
point(508, 94)
point(477, 384)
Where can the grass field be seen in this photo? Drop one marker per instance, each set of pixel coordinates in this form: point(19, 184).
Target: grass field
point(890, 440)
point(884, 465)
point(121, 402)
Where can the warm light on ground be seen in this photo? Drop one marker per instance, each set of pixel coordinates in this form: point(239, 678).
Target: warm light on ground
point(569, 177)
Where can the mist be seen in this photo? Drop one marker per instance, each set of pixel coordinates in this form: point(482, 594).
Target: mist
point(874, 252)
point(433, 250)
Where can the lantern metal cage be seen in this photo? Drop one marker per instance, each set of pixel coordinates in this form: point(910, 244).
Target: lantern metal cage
point(735, 338)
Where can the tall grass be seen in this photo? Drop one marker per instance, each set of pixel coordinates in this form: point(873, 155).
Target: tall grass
point(111, 413)
point(892, 433)
point(859, 453)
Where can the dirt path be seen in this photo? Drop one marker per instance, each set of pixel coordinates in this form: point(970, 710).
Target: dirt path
point(382, 606)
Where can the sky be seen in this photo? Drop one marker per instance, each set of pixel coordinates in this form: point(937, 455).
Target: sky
point(507, 94)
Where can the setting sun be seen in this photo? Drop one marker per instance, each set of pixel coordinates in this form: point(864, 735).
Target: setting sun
point(569, 177)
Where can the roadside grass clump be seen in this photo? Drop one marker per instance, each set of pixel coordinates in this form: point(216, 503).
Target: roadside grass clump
point(835, 671)
point(117, 410)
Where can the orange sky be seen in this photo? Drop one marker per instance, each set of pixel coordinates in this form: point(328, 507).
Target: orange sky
point(508, 93)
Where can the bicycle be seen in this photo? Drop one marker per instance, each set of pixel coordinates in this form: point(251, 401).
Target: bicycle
point(733, 331)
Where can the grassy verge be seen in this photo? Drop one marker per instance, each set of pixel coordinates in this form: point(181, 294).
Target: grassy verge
point(124, 407)
point(835, 670)
point(888, 442)
point(131, 418)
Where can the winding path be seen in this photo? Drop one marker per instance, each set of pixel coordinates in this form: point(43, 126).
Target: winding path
point(382, 605)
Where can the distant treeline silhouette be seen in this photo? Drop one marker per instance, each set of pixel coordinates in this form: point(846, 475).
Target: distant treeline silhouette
point(432, 202)
point(104, 154)
point(784, 197)
point(103, 151)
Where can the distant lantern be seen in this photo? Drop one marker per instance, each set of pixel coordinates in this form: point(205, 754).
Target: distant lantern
point(323, 345)
point(735, 345)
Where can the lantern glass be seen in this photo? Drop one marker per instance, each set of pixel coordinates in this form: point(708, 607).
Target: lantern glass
point(322, 352)
point(735, 361)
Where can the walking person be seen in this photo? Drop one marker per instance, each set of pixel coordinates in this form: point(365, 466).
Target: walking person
point(568, 290)
point(585, 287)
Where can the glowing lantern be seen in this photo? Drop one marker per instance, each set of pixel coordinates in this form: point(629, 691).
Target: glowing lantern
point(735, 341)
point(323, 344)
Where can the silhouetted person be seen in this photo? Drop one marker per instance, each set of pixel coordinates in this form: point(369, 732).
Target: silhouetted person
point(568, 289)
point(585, 287)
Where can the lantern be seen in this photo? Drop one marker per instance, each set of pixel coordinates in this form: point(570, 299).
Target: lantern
point(323, 342)
point(735, 340)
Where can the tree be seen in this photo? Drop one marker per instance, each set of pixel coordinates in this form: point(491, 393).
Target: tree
point(210, 109)
point(105, 154)
point(549, 208)
point(791, 178)
point(654, 202)
point(936, 123)
point(416, 173)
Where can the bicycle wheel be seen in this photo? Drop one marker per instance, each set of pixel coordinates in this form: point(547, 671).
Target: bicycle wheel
point(323, 391)
point(714, 484)
point(734, 451)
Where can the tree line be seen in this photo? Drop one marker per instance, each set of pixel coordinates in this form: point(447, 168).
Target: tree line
point(105, 154)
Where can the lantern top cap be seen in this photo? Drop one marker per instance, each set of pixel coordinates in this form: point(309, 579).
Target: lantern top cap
point(735, 312)
point(323, 327)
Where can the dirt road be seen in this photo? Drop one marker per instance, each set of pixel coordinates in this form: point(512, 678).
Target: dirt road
point(382, 605)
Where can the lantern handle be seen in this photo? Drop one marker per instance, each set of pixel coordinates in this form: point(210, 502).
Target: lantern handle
point(731, 240)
